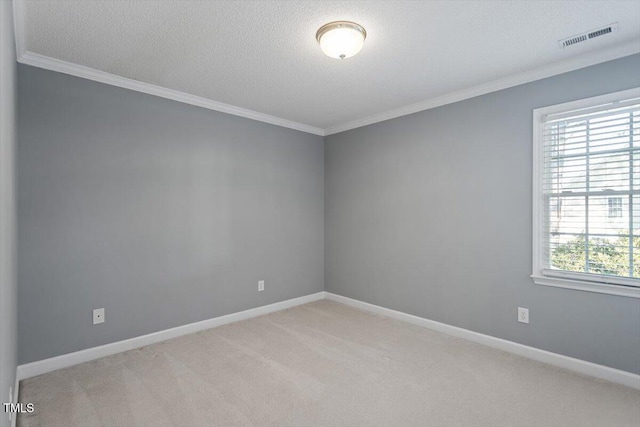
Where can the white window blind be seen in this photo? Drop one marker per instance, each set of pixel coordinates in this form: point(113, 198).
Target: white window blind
point(590, 193)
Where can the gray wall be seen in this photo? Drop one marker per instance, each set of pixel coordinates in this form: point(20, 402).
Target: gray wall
point(161, 212)
point(430, 214)
point(8, 291)
point(166, 214)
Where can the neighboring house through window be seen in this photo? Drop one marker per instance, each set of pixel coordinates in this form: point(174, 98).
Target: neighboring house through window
point(615, 207)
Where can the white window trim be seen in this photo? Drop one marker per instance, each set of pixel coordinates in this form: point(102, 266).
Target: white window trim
point(559, 279)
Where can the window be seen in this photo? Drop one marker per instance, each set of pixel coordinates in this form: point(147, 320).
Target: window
point(615, 207)
point(587, 194)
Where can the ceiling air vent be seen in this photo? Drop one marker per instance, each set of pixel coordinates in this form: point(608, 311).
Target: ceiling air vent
point(579, 38)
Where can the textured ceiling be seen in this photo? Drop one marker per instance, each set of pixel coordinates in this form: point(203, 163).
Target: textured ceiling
point(263, 56)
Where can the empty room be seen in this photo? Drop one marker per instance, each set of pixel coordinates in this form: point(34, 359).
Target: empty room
point(319, 213)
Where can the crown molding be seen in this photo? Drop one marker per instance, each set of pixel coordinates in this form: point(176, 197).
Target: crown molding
point(41, 61)
point(572, 64)
point(53, 64)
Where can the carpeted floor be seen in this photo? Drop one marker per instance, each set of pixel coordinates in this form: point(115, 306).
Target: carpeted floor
point(322, 364)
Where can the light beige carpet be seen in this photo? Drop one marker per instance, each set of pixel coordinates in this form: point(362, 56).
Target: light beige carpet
point(322, 364)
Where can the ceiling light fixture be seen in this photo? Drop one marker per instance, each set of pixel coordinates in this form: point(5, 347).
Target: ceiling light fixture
point(341, 39)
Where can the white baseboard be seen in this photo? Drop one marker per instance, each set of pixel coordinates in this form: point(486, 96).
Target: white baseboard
point(581, 366)
point(29, 370)
point(587, 368)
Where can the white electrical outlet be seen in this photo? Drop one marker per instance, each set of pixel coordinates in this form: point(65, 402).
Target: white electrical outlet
point(98, 316)
point(523, 315)
point(261, 286)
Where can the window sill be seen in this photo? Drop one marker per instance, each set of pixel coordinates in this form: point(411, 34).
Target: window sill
point(624, 291)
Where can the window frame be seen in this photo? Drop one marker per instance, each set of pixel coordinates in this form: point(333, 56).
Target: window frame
point(612, 285)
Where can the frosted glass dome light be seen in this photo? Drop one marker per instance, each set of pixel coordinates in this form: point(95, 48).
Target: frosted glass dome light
point(341, 39)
